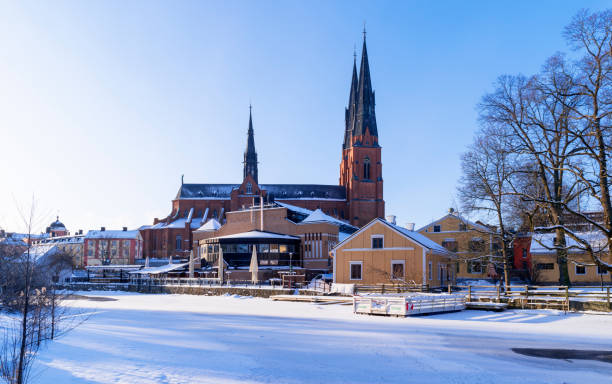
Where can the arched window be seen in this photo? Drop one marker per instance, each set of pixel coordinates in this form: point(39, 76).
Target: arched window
point(249, 188)
point(366, 168)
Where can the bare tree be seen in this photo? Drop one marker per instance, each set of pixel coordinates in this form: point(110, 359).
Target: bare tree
point(540, 127)
point(34, 313)
point(590, 76)
point(485, 186)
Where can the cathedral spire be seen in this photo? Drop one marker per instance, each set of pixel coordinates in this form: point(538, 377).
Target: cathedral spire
point(365, 114)
point(352, 106)
point(250, 156)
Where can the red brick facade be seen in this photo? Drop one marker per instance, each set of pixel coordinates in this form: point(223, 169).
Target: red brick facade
point(357, 199)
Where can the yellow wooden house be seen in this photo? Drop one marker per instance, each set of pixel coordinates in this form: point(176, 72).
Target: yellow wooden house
point(477, 246)
point(383, 253)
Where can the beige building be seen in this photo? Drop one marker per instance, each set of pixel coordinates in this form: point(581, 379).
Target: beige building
point(382, 253)
point(580, 266)
point(315, 235)
point(476, 245)
point(71, 245)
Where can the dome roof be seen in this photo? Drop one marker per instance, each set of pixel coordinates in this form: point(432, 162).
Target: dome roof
point(57, 224)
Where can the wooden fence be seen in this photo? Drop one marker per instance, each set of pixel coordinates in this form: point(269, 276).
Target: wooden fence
point(544, 297)
point(518, 296)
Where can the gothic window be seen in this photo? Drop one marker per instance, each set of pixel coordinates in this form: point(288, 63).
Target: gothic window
point(366, 168)
point(249, 188)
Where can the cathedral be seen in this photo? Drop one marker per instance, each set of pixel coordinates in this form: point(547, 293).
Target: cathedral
point(357, 199)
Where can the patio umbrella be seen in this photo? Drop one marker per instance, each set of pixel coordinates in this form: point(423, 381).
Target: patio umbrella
point(221, 271)
point(254, 267)
point(191, 264)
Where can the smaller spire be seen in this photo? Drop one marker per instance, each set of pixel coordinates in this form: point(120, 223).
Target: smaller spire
point(250, 155)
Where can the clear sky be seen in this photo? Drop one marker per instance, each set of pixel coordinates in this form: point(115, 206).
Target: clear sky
point(105, 104)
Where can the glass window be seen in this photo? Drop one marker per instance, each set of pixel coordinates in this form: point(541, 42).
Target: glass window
point(366, 168)
point(242, 248)
point(273, 258)
point(601, 271)
point(474, 266)
point(524, 253)
point(580, 270)
point(283, 248)
point(274, 248)
point(451, 245)
point(249, 188)
point(179, 243)
point(377, 241)
point(356, 271)
point(429, 271)
point(397, 270)
point(437, 228)
point(545, 266)
point(263, 248)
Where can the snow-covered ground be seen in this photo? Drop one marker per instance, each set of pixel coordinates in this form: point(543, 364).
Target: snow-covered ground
point(138, 338)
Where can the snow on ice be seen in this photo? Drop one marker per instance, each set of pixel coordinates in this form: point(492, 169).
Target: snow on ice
point(138, 338)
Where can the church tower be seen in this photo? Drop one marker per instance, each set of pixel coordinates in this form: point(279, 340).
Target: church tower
point(361, 166)
point(250, 156)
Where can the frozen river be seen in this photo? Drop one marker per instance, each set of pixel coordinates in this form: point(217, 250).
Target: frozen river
point(141, 338)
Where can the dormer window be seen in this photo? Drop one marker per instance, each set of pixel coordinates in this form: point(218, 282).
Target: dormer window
point(249, 188)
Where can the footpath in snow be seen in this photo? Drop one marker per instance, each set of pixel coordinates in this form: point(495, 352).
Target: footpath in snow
point(139, 338)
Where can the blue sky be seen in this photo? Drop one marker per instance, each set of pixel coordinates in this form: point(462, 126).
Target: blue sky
point(105, 104)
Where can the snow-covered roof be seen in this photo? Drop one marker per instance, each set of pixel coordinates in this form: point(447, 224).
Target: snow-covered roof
point(318, 216)
point(455, 215)
point(294, 208)
point(544, 242)
point(40, 251)
point(210, 226)
point(160, 269)
point(259, 235)
point(422, 240)
point(74, 239)
point(112, 234)
point(178, 223)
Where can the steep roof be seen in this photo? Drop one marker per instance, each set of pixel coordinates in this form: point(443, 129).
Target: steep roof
point(544, 242)
point(275, 191)
point(210, 226)
point(112, 234)
point(366, 115)
point(476, 226)
point(414, 236)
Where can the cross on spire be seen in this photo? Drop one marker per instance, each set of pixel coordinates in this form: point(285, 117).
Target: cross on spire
point(364, 30)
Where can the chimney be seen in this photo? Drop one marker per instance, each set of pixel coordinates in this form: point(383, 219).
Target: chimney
point(124, 229)
point(103, 229)
point(410, 226)
point(80, 231)
point(391, 219)
point(451, 210)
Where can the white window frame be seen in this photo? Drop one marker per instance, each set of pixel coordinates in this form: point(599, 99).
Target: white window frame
point(576, 270)
point(351, 263)
point(430, 270)
point(403, 263)
point(378, 236)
